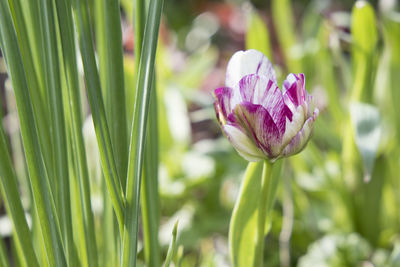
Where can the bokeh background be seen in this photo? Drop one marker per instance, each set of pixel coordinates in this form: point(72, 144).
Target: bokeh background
point(326, 213)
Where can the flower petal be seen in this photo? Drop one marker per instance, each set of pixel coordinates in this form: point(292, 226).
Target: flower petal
point(294, 126)
point(222, 103)
point(260, 90)
point(248, 62)
point(294, 91)
point(243, 144)
point(258, 123)
point(300, 140)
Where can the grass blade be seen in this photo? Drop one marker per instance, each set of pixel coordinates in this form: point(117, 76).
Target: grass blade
point(43, 200)
point(74, 113)
point(150, 197)
point(139, 123)
point(31, 50)
point(109, 43)
point(57, 122)
point(81, 13)
point(257, 35)
point(3, 254)
point(172, 246)
point(9, 191)
point(283, 21)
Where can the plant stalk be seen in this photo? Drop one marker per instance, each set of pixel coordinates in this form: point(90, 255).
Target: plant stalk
point(267, 198)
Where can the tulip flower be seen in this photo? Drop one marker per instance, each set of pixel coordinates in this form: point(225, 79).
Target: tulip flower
point(261, 121)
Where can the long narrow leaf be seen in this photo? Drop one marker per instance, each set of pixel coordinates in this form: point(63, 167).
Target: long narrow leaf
point(4, 262)
point(109, 42)
point(172, 246)
point(87, 234)
point(9, 191)
point(81, 13)
point(139, 123)
point(29, 51)
point(150, 196)
point(58, 137)
point(43, 200)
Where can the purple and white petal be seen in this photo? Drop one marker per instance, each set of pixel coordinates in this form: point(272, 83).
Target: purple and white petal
point(294, 126)
point(222, 103)
point(259, 90)
point(254, 88)
point(294, 91)
point(299, 141)
point(248, 62)
point(259, 124)
point(260, 120)
point(243, 144)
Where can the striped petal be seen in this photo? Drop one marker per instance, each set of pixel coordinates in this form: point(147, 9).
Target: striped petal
point(248, 62)
point(222, 103)
point(299, 141)
point(260, 90)
point(243, 144)
point(258, 124)
point(294, 91)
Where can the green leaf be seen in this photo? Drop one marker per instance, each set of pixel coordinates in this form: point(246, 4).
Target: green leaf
point(10, 194)
point(172, 246)
point(150, 198)
point(282, 15)
point(139, 125)
point(109, 44)
point(44, 202)
point(82, 20)
point(363, 27)
point(257, 36)
point(367, 125)
point(31, 44)
point(4, 262)
point(243, 226)
point(57, 125)
point(364, 39)
point(79, 174)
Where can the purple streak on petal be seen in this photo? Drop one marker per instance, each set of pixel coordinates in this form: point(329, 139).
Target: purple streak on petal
point(259, 65)
point(247, 86)
point(294, 89)
point(260, 90)
point(274, 103)
point(222, 102)
point(258, 123)
point(300, 140)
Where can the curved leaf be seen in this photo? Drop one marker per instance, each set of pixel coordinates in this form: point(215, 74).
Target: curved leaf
point(243, 227)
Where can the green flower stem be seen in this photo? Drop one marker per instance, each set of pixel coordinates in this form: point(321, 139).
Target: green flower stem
point(267, 199)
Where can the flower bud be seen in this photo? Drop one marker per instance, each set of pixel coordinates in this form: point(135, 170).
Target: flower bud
point(260, 120)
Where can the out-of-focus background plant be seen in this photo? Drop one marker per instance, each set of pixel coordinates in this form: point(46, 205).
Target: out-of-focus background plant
point(338, 202)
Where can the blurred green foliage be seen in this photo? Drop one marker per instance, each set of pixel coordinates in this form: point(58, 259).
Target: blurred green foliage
point(327, 213)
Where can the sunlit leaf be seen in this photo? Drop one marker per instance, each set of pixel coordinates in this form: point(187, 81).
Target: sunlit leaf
point(363, 26)
point(257, 36)
point(367, 125)
point(243, 227)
